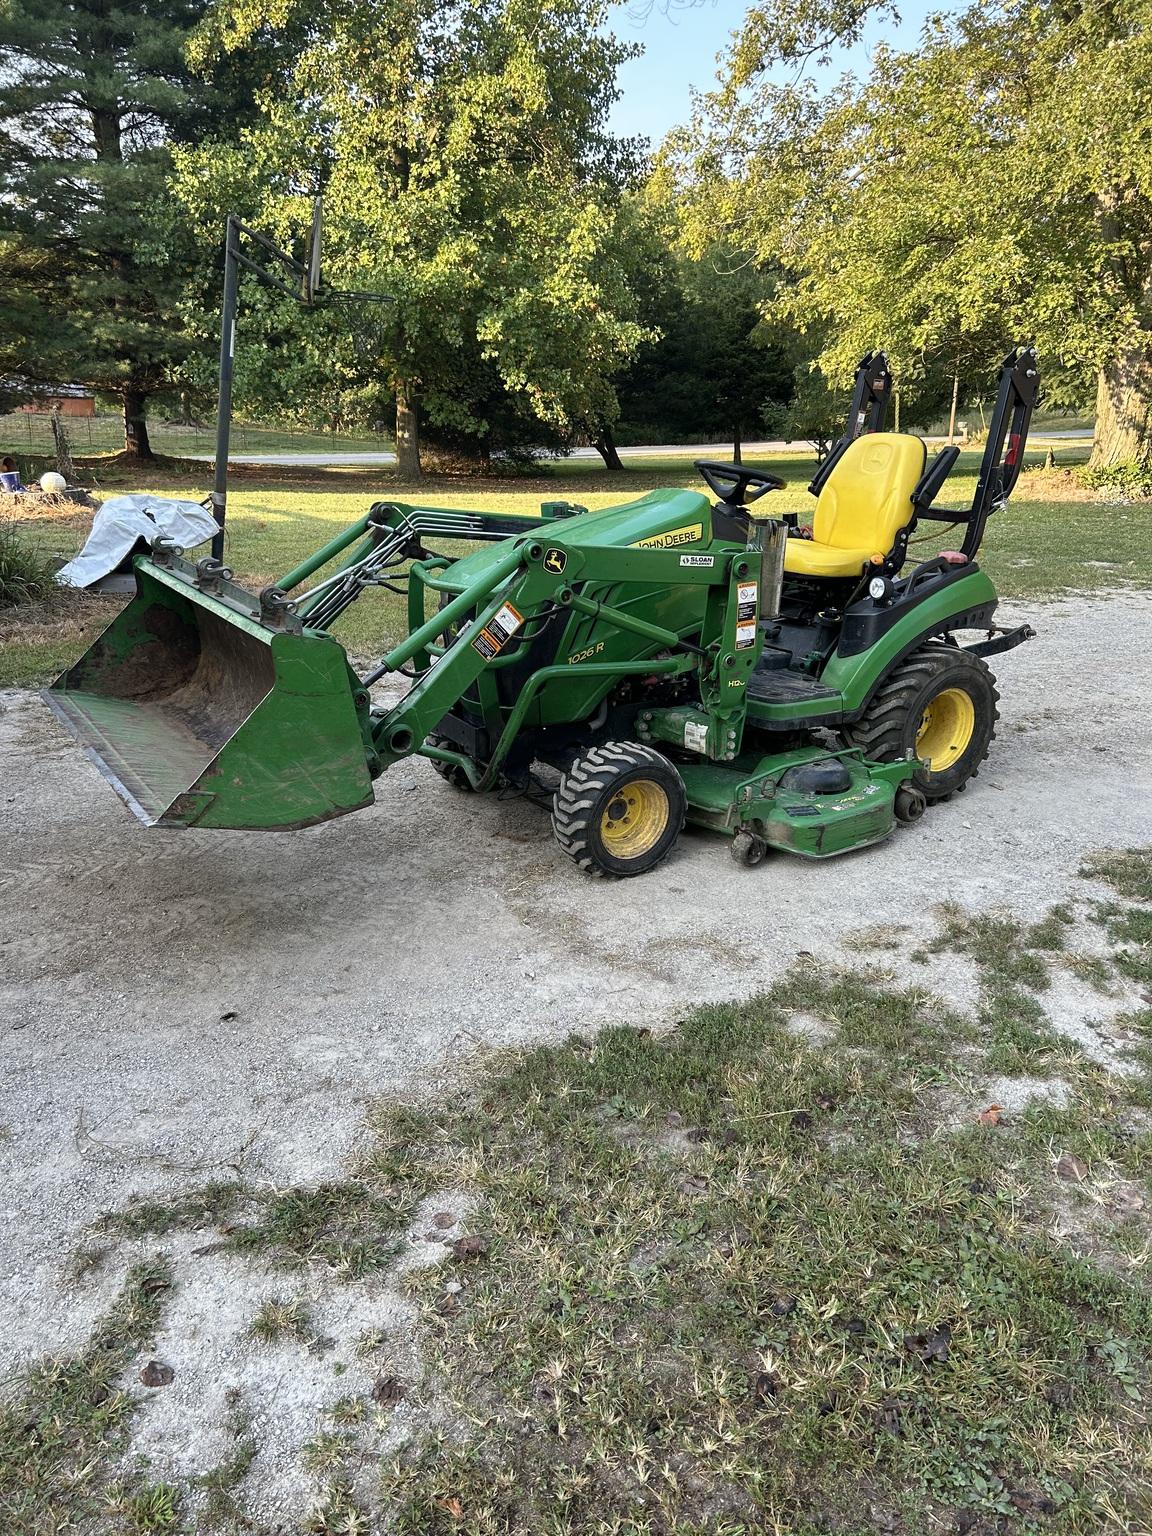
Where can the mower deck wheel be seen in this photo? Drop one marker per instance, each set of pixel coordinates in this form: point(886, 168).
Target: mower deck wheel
point(451, 773)
point(746, 848)
point(939, 705)
point(619, 809)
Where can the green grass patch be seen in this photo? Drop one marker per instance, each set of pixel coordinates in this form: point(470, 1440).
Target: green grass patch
point(735, 1282)
point(63, 1431)
point(353, 1226)
point(1128, 871)
point(1013, 959)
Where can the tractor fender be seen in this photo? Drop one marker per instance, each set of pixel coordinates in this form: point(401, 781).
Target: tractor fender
point(965, 604)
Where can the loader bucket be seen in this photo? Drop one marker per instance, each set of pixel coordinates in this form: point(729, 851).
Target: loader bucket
point(200, 714)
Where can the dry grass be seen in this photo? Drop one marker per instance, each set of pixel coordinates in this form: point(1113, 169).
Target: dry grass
point(39, 640)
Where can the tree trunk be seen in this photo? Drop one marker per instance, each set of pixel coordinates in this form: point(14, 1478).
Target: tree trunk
point(407, 432)
point(952, 413)
point(1124, 411)
point(63, 447)
point(737, 446)
point(606, 447)
point(136, 424)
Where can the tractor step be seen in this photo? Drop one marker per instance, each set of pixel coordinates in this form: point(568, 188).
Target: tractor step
point(783, 686)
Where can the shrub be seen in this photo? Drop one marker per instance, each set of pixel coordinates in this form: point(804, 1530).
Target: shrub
point(1129, 481)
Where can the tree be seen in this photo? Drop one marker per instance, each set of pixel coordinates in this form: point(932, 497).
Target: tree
point(716, 367)
point(994, 185)
point(91, 98)
point(466, 169)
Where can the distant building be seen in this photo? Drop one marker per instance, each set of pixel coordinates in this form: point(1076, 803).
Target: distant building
point(73, 400)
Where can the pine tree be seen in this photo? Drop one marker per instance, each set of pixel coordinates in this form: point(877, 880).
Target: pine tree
point(92, 99)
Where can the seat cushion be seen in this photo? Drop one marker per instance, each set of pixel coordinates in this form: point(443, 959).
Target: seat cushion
point(806, 557)
point(867, 498)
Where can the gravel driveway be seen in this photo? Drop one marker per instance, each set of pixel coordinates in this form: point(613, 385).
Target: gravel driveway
point(176, 1002)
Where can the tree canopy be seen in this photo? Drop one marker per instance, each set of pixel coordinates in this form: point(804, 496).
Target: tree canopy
point(993, 184)
point(97, 255)
point(466, 170)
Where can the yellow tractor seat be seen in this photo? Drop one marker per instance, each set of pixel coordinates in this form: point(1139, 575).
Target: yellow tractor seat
point(863, 505)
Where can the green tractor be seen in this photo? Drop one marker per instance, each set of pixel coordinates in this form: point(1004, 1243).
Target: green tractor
point(674, 659)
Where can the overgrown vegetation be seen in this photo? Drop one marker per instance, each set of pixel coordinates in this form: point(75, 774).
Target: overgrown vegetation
point(25, 571)
point(1130, 481)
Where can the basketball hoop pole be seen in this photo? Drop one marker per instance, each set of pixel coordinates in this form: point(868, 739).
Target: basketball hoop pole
point(307, 275)
point(306, 291)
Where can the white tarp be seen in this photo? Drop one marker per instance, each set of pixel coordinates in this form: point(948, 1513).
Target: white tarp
point(123, 521)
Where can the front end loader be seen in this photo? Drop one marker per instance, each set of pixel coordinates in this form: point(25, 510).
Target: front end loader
point(675, 658)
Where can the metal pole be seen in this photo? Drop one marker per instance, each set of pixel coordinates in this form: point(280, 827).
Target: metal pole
point(224, 394)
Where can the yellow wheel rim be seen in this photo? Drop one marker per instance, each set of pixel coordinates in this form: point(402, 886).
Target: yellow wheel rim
point(945, 729)
point(634, 819)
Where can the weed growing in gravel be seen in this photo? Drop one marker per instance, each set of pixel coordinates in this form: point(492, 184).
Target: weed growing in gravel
point(352, 1225)
point(1013, 962)
point(63, 1431)
point(203, 1206)
point(221, 1510)
point(278, 1320)
point(1130, 930)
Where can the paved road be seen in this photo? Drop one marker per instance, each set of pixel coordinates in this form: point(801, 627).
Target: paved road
point(722, 451)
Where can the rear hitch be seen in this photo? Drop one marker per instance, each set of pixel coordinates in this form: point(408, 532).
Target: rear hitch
point(1000, 640)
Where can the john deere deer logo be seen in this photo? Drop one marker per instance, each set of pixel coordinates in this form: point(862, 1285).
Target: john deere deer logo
point(555, 560)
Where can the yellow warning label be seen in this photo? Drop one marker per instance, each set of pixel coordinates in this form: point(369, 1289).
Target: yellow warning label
point(686, 535)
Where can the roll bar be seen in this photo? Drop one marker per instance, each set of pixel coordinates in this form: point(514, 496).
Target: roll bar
point(866, 412)
point(1003, 452)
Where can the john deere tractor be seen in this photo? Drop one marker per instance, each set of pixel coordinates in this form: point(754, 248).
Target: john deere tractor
point(678, 657)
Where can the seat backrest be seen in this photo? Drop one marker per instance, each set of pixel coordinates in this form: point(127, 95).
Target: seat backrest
point(867, 498)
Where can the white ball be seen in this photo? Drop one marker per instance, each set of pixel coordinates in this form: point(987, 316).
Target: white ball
point(52, 483)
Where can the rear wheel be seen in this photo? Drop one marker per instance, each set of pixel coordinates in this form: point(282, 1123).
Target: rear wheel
point(940, 704)
point(619, 809)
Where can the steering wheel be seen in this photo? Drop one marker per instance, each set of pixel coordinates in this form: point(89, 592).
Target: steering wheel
point(733, 483)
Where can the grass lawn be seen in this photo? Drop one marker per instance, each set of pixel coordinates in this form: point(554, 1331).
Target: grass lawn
point(1051, 539)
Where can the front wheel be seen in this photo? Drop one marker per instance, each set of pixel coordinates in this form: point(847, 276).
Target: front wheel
point(940, 705)
point(619, 809)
